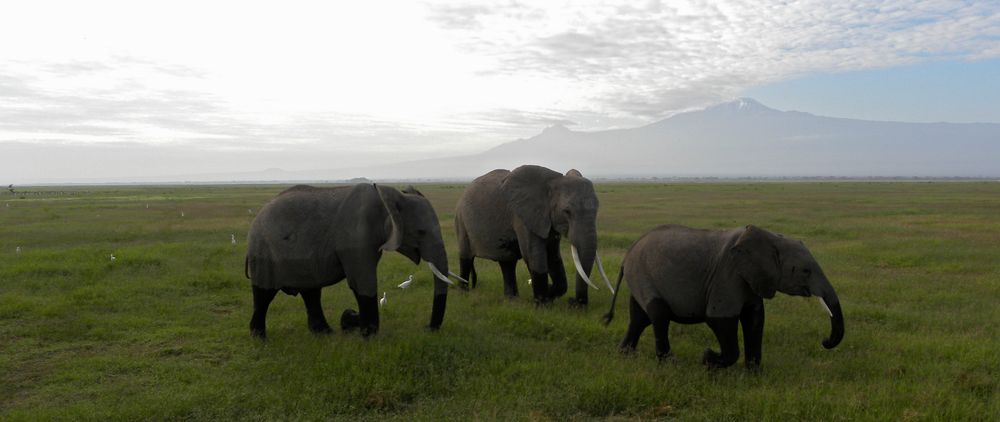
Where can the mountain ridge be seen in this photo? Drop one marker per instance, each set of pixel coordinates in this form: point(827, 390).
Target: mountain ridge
point(735, 139)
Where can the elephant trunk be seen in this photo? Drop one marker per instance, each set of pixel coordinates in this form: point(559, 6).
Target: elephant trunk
point(828, 297)
point(438, 263)
point(583, 245)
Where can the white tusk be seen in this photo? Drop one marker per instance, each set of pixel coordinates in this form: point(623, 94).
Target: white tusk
point(438, 274)
point(823, 302)
point(459, 278)
point(605, 276)
point(579, 266)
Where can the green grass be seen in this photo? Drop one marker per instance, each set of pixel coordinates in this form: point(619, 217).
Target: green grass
point(161, 333)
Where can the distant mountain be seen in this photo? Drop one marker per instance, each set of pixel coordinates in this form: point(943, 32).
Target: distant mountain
point(741, 138)
point(737, 139)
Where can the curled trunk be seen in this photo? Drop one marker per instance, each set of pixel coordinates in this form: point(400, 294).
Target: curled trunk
point(830, 300)
point(439, 260)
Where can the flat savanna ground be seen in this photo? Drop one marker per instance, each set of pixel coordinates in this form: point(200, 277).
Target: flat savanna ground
point(162, 332)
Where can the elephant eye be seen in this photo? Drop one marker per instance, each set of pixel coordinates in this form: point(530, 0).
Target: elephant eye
point(807, 271)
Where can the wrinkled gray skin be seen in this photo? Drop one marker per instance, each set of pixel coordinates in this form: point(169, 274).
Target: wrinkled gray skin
point(509, 215)
point(721, 277)
point(307, 238)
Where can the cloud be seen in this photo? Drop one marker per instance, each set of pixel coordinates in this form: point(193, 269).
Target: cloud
point(661, 57)
point(346, 81)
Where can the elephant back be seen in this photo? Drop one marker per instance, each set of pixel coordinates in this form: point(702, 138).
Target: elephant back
point(290, 243)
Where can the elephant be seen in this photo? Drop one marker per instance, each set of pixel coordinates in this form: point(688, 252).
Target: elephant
point(719, 277)
point(308, 237)
point(509, 215)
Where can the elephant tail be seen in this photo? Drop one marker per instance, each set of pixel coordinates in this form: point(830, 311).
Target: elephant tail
point(611, 312)
point(246, 266)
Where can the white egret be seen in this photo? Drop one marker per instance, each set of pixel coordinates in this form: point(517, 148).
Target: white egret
point(182, 213)
point(529, 281)
point(18, 250)
point(406, 283)
point(381, 302)
point(113, 258)
point(233, 237)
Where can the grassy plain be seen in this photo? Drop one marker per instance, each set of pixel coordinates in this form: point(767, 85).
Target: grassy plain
point(161, 332)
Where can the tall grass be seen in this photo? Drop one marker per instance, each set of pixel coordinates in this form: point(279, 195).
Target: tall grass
point(161, 332)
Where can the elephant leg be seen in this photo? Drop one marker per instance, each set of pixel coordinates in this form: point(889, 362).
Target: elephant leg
point(314, 311)
point(660, 314)
point(509, 270)
point(637, 323)
point(725, 331)
point(368, 310)
point(556, 269)
point(540, 287)
point(467, 270)
point(752, 320)
point(261, 300)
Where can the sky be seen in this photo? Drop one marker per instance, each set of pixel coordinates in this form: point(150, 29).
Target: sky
point(104, 89)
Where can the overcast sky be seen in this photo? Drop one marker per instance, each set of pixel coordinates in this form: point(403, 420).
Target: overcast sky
point(210, 86)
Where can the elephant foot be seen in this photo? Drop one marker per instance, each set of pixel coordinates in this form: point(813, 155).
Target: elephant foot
point(577, 303)
point(543, 301)
point(349, 320)
point(433, 328)
point(714, 360)
point(258, 333)
point(752, 365)
point(320, 328)
point(626, 349)
point(664, 356)
point(368, 331)
point(464, 286)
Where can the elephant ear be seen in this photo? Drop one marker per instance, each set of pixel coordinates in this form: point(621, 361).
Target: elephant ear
point(526, 190)
point(396, 230)
point(758, 263)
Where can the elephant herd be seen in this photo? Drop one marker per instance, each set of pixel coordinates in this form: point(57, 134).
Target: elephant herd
point(307, 238)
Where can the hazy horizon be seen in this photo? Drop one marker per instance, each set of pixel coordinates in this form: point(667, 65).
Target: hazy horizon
point(119, 90)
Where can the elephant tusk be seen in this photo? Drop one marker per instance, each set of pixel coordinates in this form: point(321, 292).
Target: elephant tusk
point(438, 274)
point(823, 302)
point(579, 267)
point(459, 278)
point(600, 268)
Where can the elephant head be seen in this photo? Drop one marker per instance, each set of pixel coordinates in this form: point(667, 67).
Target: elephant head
point(771, 263)
point(546, 201)
point(413, 231)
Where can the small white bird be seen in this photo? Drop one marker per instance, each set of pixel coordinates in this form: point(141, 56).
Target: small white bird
point(233, 237)
point(113, 258)
point(18, 250)
point(381, 302)
point(249, 211)
point(406, 283)
point(529, 281)
point(182, 213)
point(147, 206)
